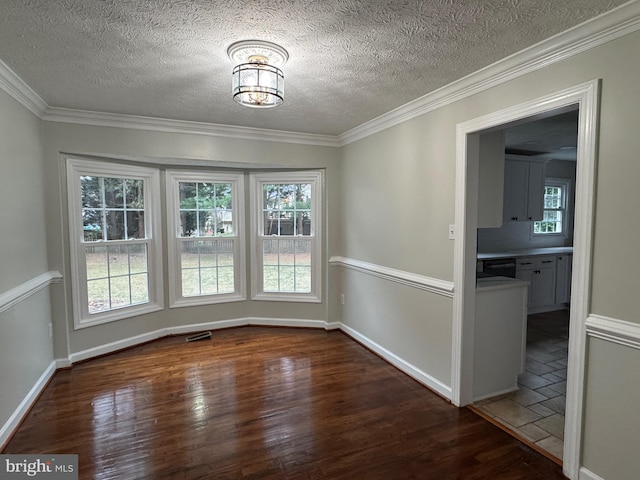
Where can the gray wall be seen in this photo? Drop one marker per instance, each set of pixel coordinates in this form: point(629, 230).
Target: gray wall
point(25, 348)
point(405, 178)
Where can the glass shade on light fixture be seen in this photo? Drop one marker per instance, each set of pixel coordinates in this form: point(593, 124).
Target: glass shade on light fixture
point(258, 84)
point(257, 79)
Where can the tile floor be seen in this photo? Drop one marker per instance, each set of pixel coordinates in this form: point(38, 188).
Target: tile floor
point(536, 411)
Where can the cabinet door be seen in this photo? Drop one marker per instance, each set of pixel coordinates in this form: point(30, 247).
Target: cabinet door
point(535, 196)
point(563, 278)
point(516, 179)
point(544, 286)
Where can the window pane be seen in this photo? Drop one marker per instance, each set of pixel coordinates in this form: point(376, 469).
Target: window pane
point(92, 225)
point(118, 260)
point(205, 209)
point(138, 258)
point(553, 197)
point(270, 278)
point(303, 279)
point(286, 252)
point(120, 293)
point(201, 262)
point(91, 192)
point(98, 295)
point(139, 288)
point(115, 225)
point(208, 281)
point(135, 225)
point(97, 264)
point(287, 279)
point(117, 276)
point(188, 224)
point(113, 192)
point(287, 209)
point(226, 283)
point(208, 257)
point(206, 223)
point(190, 282)
point(303, 252)
point(270, 252)
point(134, 190)
point(187, 192)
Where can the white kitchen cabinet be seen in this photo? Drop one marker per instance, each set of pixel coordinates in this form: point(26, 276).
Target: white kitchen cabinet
point(563, 278)
point(540, 272)
point(523, 190)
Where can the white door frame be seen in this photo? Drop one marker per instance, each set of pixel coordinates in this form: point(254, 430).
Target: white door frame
point(585, 96)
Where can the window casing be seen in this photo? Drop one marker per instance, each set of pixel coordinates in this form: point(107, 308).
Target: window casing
point(115, 241)
point(286, 233)
point(205, 214)
point(554, 220)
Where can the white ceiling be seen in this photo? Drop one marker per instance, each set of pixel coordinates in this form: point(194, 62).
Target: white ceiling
point(350, 60)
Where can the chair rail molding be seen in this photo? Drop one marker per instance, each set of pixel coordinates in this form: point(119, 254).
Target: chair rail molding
point(422, 282)
point(614, 330)
point(17, 294)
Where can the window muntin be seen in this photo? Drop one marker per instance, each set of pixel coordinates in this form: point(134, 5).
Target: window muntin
point(554, 213)
point(287, 243)
point(206, 254)
point(113, 241)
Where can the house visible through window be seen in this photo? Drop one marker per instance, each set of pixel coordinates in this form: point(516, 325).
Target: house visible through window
point(555, 209)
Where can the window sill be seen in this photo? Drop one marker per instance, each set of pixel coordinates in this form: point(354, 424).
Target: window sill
point(287, 297)
point(207, 300)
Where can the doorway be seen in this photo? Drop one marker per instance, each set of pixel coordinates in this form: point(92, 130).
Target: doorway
point(584, 97)
point(535, 410)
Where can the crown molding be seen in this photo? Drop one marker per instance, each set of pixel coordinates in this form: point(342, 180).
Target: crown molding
point(104, 119)
point(16, 88)
point(609, 26)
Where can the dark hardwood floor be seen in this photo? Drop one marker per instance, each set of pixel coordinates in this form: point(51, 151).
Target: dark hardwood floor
point(264, 403)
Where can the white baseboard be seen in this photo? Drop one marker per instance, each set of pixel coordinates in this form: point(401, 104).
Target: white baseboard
point(196, 327)
point(399, 363)
point(588, 475)
point(14, 420)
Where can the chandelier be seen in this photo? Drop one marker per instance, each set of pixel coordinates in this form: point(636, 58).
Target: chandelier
point(257, 80)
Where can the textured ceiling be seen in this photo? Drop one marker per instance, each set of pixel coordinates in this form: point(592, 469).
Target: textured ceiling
point(350, 60)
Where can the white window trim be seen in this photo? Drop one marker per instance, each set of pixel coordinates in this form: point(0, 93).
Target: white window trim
point(77, 168)
point(176, 299)
point(257, 180)
point(566, 184)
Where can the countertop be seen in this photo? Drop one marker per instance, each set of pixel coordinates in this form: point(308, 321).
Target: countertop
point(525, 252)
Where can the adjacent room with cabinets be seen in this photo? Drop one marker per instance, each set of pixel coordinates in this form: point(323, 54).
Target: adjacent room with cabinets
point(526, 201)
